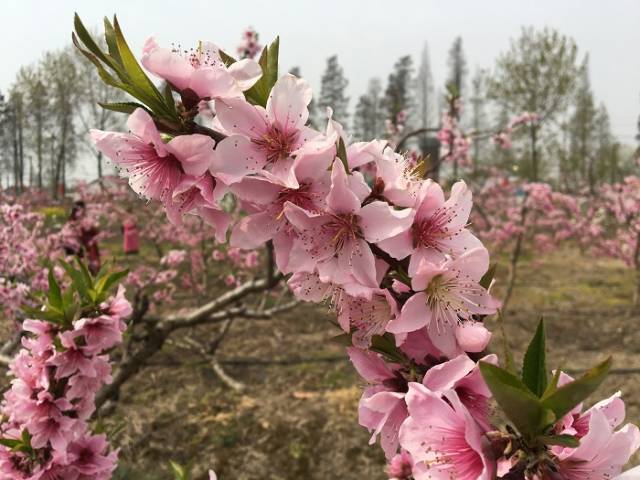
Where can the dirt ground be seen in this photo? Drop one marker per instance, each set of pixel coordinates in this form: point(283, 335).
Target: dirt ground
point(297, 416)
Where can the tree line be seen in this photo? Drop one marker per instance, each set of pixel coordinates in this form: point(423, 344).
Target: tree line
point(541, 72)
point(45, 116)
point(47, 111)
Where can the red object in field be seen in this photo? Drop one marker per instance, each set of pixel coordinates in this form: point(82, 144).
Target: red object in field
point(131, 242)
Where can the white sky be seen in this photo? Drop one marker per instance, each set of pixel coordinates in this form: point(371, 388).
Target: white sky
point(368, 36)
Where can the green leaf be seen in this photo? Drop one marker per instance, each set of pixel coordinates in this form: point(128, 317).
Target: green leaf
point(138, 78)
point(534, 367)
point(343, 339)
point(86, 275)
point(10, 442)
point(77, 279)
point(226, 58)
point(110, 280)
point(93, 47)
point(110, 37)
point(55, 296)
point(487, 278)
point(565, 398)
point(258, 94)
point(553, 384)
point(562, 440)
point(169, 100)
point(180, 472)
point(123, 107)
point(386, 345)
point(519, 405)
point(342, 155)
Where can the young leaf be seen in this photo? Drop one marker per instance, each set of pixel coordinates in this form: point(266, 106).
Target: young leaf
point(553, 384)
point(179, 472)
point(516, 401)
point(123, 107)
point(565, 398)
point(110, 37)
point(226, 58)
point(110, 280)
point(487, 278)
point(139, 79)
point(259, 93)
point(534, 367)
point(77, 279)
point(55, 296)
point(562, 440)
point(342, 155)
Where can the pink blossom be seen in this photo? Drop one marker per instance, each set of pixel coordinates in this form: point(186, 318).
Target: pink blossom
point(154, 168)
point(202, 71)
point(443, 438)
point(382, 408)
point(263, 141)
point(439, 228)
point(447, 294)
point(336, 241)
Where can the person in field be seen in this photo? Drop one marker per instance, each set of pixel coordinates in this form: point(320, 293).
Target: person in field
point(80, 236)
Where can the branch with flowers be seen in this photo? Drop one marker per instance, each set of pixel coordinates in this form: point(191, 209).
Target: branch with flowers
point(350, 225)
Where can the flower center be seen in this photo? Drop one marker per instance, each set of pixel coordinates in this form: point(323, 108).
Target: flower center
point(276, 143)
point(428, 232)
point(343, 229)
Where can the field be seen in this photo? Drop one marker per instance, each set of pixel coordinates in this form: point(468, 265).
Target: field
point(297, 415)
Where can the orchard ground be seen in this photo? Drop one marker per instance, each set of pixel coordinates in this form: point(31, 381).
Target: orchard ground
point(297, 416)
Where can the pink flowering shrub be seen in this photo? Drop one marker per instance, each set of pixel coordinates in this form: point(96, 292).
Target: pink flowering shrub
point(351, 225)
point(63, 363)
point(610, 225)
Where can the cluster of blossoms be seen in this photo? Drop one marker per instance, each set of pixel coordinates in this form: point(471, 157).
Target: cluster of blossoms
point(507, 209)
point(63, 363)
point(503, 137)
point(22, 239)
point(249, 45)
point(610, 224)
point(351, 225)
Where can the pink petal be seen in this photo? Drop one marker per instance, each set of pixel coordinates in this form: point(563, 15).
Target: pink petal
point(400, 246)
point(380, 221)
point(246, 72)
point(195, 152)
point(341, 198)
point(414, 315)
point(236, 157)
point(238, 116)
point(287, 103)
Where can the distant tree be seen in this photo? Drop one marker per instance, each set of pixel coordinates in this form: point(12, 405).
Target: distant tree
point(369, 116)
point(61, 74)
point(332, 90)
point(457, 67)
point(582, 124)
point(426, 103)
point(398, 96)
point(91, 91)
point(538, 74)
point(16, 118)
point(479, 121)
point(31, 80)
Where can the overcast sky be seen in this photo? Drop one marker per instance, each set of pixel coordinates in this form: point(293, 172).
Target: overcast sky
point(368, 36)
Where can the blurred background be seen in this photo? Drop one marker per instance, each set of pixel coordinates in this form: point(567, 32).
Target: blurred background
point(274, 399)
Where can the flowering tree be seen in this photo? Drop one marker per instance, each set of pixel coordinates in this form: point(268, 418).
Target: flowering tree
point(611, 225)
point(62, 365)
point(513, 216)
point(348, 223)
